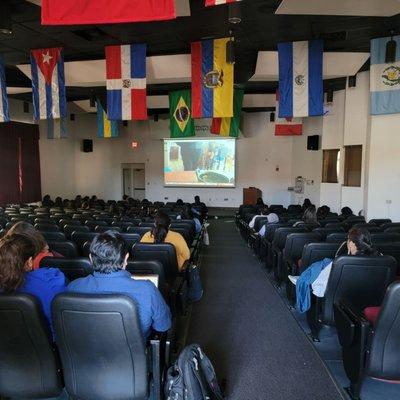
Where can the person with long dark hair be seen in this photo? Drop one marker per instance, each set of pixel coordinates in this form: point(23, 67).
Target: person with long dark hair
point(162, 234)
point(17, 275)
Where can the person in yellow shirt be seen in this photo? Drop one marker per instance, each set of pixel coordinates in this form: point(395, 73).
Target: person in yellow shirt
point(161, 234)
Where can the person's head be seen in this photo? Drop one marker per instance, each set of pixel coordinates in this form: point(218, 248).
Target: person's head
point(260, 201)
point(108, 252)
point(273, 218)
point(16, 258)
point(310, 215)
point(26, 229)
point(264, 210)
point(197, 199)
point(323, 212)
point(179, 202)
point(346, 211)
point(46, 197)
point(161, 227)
point(359, 242)
point(307, 203)
point(187, 212)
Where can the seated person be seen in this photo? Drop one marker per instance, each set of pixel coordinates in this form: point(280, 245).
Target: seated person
point(309, 217)
point(161, 234)
point(17, 274)
point(109, 256)
point(199, 208)
point(272, 219)
point(346, 212)
point(41, 247)
point(316, 276)
point(323, 212)
point(188, 214)
point(307, 203)
point(263, 213)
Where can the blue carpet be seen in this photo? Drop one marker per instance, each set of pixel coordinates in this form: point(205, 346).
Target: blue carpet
point(248, 332)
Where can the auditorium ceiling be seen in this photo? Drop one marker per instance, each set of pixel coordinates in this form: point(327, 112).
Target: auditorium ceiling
point(346, 33)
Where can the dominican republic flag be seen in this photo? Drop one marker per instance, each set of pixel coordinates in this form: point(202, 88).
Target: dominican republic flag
point(384, 78)
point(212, 80)
point(126, 82)
point(4, 113)
point(48, 84)
point(78, 12)
point(287, 126)
point(218, 2)
point(300, 79)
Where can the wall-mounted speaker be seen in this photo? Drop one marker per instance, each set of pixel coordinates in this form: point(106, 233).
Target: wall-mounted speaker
point(313, 142)
point(87, 145)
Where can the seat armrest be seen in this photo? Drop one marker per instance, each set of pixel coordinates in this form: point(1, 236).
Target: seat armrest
point(155, 367)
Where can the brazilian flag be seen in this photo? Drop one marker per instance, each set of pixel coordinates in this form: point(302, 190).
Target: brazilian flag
point(181, 121)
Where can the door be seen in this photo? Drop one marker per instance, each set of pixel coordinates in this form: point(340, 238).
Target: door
point(133, 180)
point(139, 184)
point(127, 181)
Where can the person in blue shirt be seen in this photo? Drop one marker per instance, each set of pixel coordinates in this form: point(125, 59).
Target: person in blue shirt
point(109, 256)
point(17, 253)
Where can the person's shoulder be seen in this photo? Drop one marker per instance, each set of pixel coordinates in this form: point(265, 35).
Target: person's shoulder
point(175, 235)
point(78, 283)
point(47, 274)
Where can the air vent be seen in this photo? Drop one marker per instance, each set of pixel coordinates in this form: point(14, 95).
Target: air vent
point(91, 34)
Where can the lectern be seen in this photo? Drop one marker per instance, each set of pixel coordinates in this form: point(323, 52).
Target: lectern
point(250, 195)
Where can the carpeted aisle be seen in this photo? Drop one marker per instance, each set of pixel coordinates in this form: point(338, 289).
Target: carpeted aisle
point(247, 331)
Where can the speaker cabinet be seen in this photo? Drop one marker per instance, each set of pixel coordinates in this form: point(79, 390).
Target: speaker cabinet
point(87, 145)
point(313, 142)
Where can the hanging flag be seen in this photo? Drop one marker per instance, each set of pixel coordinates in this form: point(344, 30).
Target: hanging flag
point(126, 82)
point(56, 128)
point(230, 126)
point(48, 84)
point(300, 79)
point(78, 12)
point(384, 78)
point(105, 127)
point(212, 80)
point(218, 2)
point(4, 111)
point(181, 121)
point(287, 126)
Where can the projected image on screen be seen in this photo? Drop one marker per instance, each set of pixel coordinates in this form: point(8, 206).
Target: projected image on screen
point(199, 162)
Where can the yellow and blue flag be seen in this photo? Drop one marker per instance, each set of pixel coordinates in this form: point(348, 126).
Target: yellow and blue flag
point(212, 80)
point(105, 127)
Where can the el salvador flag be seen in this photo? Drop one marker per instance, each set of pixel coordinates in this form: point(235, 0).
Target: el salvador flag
point(4, 113)
point(300, 79)
point(384, 78)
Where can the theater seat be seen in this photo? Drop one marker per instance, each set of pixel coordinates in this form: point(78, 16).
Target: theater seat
point(368, 349)
point(66, 249)
point(140, 230)
point(72, 268)
point(28, 361)
point(102, 351)
point(54, 236)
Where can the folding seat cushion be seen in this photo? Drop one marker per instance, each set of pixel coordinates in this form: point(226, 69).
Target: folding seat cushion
point(371, 314)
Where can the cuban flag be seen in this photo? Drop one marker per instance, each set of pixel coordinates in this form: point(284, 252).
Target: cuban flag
point(300, 79)
point(384, 78)
point(126, 82)
point(4, 113)
point(48, 84)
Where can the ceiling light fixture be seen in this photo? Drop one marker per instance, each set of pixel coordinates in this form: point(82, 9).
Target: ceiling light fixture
point(5, 18)
point(235, 13)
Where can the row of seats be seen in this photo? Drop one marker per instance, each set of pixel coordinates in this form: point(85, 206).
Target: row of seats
point(355, 282)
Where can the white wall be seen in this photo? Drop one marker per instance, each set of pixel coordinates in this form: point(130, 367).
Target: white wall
point(263, 161)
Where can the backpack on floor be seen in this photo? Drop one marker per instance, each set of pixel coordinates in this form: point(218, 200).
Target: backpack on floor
point(192, 377)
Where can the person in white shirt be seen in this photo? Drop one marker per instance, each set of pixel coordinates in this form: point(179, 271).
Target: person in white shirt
point(272, 219)
point(263, 213)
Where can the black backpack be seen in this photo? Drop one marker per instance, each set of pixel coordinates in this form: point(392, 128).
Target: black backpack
point(192, 377)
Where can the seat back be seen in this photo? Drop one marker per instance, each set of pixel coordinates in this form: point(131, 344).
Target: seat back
point(281, 234)
point(67, 249)
point(28, 364)
point(295, 243)
point(150, 267)
point(54, 236)
point(370, 227)
point(380, 221)
point(383, 237)
point(259, 222)
point(105, 228)
point(313, 252)
point(43, 227)
point(390, 249)
point(165, 253)
point(362, 280)
point(140, 230)
point(339, 237)
point(384, 357)
point(149, 224)
point(271, 228)
point(80, 238)
point(324, 232)
point(101, 346)
point(72, 268)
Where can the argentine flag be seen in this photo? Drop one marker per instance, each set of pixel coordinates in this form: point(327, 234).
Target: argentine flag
point(384, 78)
point(300, 79)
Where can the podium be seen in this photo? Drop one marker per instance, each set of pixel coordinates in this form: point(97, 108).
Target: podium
point(250, 195)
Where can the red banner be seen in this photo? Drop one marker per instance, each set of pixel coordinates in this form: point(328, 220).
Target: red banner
point(78, 12)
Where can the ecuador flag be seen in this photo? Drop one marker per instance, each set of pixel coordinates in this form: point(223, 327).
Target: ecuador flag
point(229, 126)
point(105, 127)
point(212, 80)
